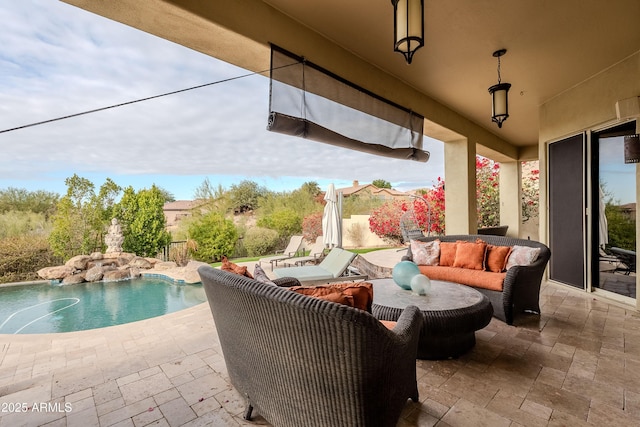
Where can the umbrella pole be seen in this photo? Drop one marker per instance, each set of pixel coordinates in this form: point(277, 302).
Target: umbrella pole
point(340, 219)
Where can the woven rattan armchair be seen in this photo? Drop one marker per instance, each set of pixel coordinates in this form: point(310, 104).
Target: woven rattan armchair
point(302, 361)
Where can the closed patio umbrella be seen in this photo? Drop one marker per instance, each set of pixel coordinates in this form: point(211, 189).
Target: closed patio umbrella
point(331, 219)
point(603, 227)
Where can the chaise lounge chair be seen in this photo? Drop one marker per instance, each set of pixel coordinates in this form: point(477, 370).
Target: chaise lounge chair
point(626, 260)
point(292, 249)
point(334, 267)
point(316, 253)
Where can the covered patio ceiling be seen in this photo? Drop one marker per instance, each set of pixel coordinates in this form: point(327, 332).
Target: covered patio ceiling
point(552, 46)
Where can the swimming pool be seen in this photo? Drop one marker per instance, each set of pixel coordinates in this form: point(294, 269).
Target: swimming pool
point(46, 308)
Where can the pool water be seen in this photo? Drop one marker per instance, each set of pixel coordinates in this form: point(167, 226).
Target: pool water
point(46, 308)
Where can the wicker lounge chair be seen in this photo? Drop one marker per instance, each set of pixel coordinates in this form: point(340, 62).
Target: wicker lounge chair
point(292, 249)
point(500, 230)
point(316, 253)
point(301, 361)
point(335, 266)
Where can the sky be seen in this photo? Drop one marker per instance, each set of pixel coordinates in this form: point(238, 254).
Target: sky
point(618, 177)
point(58, 60)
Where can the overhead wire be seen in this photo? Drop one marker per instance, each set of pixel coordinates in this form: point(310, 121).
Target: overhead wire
point(95, 110)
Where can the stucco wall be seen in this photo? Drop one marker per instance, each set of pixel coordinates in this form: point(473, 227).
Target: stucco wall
point(589, 106)
point(591, 103)
point(356, 233)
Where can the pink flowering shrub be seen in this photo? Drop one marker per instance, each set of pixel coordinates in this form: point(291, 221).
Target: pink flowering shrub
point(429, 211)
point(530, 193)
point(385, 221)
point(487, 192)
point(312, 226)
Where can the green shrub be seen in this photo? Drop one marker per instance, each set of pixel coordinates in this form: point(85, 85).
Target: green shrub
point(215, 236)
point(22, 256)
point(143, 221)
point(260, 241)
point(240, 251)
point(15, 223)
point(621, 228)
point(285, 221)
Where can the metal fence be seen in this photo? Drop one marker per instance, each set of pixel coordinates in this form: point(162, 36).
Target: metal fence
point(173, 250)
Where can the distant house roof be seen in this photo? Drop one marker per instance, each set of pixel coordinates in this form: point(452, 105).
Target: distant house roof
point(370, 188)
point(181, 205)
point(175, 211)
point(391, 192)
point(631, 207)
point(356, 188)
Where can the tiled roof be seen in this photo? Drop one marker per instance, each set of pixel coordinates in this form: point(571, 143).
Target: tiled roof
point(180, 205)
point(347, 191)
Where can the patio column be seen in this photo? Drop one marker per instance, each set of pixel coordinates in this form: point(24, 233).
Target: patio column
point(637, 219)
point(511, 197)
point(460, 187)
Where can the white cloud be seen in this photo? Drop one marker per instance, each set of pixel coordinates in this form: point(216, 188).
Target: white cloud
point(58, 60)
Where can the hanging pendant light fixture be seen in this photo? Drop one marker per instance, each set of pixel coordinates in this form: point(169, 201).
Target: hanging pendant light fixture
point(499, 95)
point(408, 27)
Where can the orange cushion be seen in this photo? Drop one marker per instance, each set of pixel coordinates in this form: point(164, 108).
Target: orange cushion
point(447, 253)
point(337, 297)
point(497, 258)
point(474, 278)
point(360, 294)
point(470, 255)
point(234, 268)
point(389, 324)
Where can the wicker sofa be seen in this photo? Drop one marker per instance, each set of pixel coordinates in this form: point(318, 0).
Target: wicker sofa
point(302, 361)
point(520, 285)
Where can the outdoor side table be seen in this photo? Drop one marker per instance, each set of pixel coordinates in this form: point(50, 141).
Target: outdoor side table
point(452, 313)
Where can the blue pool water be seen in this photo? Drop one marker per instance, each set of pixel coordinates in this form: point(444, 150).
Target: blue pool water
point(45, 308)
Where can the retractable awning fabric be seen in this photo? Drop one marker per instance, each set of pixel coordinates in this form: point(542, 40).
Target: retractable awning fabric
point(310, 102)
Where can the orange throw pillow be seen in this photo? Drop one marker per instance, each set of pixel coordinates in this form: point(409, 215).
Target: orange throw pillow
point(234, 268)
point(389, 324)
point(497, 258)
point(447, 253)
point(338, 297)
point(357, 294)
point(470, 255)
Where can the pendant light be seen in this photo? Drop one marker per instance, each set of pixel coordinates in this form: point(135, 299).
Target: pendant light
point(499, 95)
point(408, 27)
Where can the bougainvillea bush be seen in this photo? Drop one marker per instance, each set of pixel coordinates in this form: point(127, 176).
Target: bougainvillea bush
point(385, 221)
point(428, 210)
point(312, 226)
point(487, 192)
point(530, 191)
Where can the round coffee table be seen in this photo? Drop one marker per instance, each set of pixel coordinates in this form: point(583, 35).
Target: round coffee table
point(452, 313)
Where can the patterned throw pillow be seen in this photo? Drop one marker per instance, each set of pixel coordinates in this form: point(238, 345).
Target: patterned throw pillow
point(522, 255)
point(261, 276)
point(425, 253)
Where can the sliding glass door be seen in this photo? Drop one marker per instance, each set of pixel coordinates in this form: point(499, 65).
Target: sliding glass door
point(614, 213)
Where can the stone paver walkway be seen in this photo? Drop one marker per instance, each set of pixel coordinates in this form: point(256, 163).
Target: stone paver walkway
point(576, 365)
